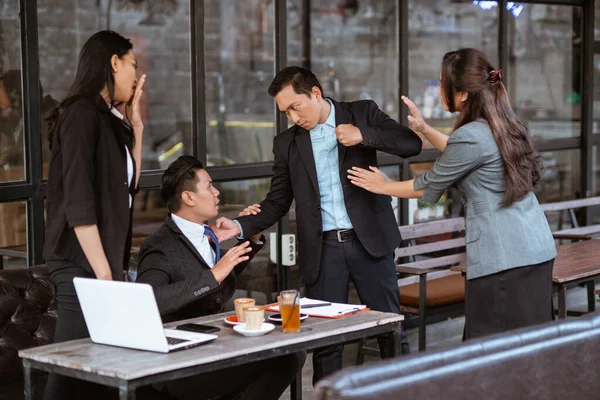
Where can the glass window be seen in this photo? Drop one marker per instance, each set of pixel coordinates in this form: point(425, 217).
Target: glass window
point(596, 126)
point(544, 69)
point(561, 176)
point(597, 22)
point(13, 235)
point(12, 155)
point(595, 211)
point(596, 171)
point(160, 33)
point(260, 278)
point(239, 60)
point(436, 27)
point(149, 212)
point(353, 49)
point(560, 181)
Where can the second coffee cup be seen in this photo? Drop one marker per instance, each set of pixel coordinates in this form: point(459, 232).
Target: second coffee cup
point(254, 317)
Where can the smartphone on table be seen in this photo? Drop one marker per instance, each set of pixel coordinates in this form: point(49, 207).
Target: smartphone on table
point(198, 328)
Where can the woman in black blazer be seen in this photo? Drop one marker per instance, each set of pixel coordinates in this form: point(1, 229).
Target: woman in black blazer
point(95, 136)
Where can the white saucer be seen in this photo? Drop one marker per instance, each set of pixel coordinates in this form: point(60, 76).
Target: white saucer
point(266, 328)
point(232, 320)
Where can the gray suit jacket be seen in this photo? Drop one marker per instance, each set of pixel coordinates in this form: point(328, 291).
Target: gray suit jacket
point(498, 238)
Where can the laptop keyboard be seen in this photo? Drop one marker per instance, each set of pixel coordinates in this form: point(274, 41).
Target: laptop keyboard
point(172, 341)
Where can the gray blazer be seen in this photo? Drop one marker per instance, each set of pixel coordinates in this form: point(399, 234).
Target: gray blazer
point(498, 238)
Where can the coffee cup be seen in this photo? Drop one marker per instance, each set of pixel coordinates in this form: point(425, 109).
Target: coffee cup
point(254, 317)
point(240, 304)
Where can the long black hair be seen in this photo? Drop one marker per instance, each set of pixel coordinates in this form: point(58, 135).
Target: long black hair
point(468, 70)
point(94, 72)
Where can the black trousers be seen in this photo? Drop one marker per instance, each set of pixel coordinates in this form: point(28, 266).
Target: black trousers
point(376, 283)
point(508, 300)
point(70, 325)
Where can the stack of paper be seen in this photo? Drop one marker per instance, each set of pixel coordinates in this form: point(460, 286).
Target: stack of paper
point(319, 308)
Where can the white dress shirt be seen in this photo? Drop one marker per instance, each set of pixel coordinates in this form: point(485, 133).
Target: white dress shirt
point(129, 158)
point(195, 234)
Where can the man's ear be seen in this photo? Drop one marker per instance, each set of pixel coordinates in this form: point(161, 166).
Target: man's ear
point(316, 92)
point(186, 197)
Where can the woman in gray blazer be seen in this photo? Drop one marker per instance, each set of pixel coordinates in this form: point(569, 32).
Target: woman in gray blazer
point(491, 160)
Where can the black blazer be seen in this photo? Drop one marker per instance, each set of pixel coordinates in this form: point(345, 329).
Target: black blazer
point(295, 177)
point(87, 184)
point(183, 284)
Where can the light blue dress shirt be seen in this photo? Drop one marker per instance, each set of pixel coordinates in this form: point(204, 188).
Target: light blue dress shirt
point(325, 151)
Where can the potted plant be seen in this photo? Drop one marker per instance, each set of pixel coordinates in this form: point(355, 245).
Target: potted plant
point(442, 205)
point(438, 208)
point(423, 208)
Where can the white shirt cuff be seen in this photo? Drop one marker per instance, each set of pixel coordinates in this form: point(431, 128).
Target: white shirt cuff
point(241, 235)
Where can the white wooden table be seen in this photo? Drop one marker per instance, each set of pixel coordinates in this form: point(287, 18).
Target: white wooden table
point(128, 369)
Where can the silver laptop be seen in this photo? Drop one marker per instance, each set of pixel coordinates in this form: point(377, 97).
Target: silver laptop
point(126, 315)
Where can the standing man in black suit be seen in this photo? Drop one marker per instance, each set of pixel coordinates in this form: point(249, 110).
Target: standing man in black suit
point(344, 233)
point(191, 277)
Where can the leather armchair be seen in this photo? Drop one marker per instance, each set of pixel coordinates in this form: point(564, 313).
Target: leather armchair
point(27, 319)
point(558, 360)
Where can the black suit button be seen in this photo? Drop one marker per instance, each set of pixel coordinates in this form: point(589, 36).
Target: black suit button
point(319, 208)
point(319, 232)
point(218, 300)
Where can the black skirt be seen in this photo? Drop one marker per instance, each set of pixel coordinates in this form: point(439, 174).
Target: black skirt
point(508, 300)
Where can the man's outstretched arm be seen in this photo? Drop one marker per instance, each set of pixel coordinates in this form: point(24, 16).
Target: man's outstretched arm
point(273, 208)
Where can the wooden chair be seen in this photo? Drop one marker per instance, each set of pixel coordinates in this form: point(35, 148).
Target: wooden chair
point(433, 292)
point(429, 291)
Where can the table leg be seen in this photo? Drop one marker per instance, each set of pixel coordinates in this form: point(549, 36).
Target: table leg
point(27, 382)
point(360, 354)
point(126, 392)
point(562, 302)
point(296, 387)
point(591, 286)
point(397, 340)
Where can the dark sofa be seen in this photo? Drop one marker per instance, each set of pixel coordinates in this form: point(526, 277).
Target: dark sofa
point(27, 319)
point(559, 360)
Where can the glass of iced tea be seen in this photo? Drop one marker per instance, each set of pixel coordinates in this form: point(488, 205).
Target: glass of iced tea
point(289, 306)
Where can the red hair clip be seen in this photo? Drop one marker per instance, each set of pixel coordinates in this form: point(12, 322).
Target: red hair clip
point(495, 76)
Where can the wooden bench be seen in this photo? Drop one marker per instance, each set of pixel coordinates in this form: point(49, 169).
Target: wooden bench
point(576, 232)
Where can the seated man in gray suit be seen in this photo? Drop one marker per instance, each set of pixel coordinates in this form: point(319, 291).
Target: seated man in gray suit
point(192, 278)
